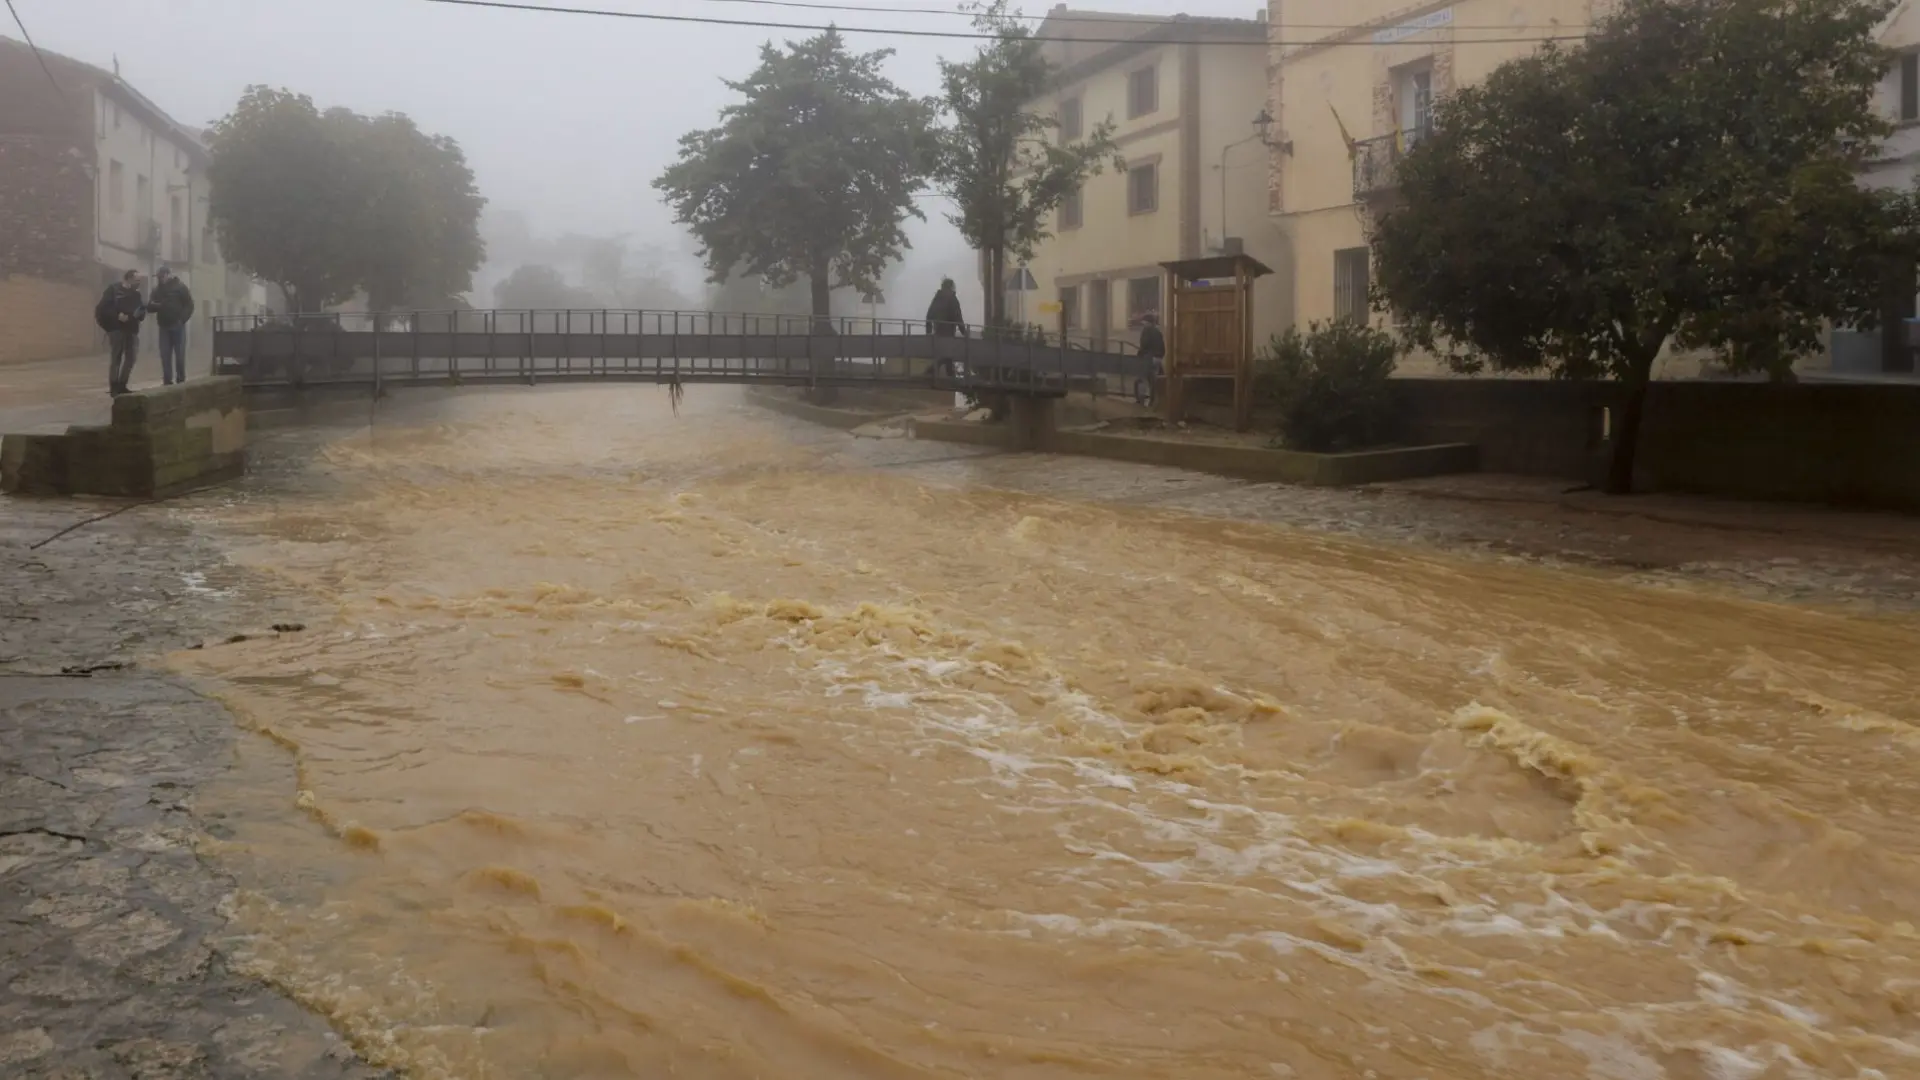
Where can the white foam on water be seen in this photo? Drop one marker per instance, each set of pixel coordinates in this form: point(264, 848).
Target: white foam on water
point(1726, 1063)
point(1612, 1056)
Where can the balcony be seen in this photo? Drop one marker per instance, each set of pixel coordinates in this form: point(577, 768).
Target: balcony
point(1376, 162)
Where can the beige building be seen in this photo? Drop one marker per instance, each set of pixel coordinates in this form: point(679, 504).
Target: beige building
point(1184, 95)
point(1895, 167)
point(1352, 86)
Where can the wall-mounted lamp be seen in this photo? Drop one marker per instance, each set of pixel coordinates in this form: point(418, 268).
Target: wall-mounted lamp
point(1263, 128)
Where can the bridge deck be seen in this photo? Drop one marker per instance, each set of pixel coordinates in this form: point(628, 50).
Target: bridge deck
point(429, 348)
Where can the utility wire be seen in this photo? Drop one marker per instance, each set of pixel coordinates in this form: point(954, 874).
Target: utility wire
point(507, 5)
point(36, 51)
point(1074, 17)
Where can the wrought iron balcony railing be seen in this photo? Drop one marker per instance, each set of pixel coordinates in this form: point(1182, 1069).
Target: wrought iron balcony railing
point(1376, 162)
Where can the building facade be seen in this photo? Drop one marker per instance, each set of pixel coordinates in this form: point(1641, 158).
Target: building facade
point(1184, 95)
point(1895, 167)
point(95, 180)
point(1352, 86)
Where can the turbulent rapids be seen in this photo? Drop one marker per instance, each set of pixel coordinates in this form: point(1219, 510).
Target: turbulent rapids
point(627, 745)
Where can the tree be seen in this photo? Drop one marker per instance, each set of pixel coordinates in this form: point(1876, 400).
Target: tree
point(809, 175)
point(1687, 177)
point(285, 196)
point(996, 159)
point(533, 287)
point(753, 296)
point(419, 223)
point(323, 204)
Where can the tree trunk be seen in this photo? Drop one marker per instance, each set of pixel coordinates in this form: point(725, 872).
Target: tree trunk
point(1626, 431)
point(823, 360)
point(996, 322)
point(996, 313)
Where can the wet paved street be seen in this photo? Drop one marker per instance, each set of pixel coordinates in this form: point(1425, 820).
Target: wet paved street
point(112, 947)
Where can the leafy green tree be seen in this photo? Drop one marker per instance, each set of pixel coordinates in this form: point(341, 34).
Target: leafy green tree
point(286, 196)
point(809, 175)
point(533, 287)
point(324, 204)
point(419, 223)
point(997, 158)
point(1684, 178)
point(753, 296)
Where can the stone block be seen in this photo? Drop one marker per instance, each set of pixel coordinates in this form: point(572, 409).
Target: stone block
point(161, 442)
point(33, 464)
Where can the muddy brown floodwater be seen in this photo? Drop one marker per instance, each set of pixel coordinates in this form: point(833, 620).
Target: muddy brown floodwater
point(642, 746)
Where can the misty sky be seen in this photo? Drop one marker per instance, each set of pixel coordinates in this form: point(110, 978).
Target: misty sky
point(565, 118)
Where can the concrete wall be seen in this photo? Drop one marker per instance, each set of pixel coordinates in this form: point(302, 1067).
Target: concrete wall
point(1832, 443)
point(161, 442)
point(45, 320)
point(1846, 444)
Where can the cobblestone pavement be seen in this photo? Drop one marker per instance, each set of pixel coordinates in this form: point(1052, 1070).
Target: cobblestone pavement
point(111, 953)
point(1857, 562)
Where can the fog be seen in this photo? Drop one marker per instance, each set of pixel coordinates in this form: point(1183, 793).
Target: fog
point(565, 118)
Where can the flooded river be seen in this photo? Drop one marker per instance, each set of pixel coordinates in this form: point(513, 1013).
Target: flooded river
point(629, 744)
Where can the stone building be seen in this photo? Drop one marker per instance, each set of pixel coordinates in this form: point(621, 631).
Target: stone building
point(95, 179)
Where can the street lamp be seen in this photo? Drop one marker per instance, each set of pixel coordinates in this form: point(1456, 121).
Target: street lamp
point(1262, 130)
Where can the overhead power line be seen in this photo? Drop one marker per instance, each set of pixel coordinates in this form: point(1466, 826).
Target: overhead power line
point(1075, 17)
point(507, 5)
point(36, 50)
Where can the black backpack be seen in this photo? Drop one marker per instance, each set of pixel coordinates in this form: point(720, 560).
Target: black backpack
point(103, 312)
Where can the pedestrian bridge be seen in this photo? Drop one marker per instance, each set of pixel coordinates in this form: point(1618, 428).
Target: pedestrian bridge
point(456, 348)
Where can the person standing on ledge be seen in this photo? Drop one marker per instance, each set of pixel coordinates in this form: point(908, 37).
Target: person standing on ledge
point(172, 306)
point(119, 313)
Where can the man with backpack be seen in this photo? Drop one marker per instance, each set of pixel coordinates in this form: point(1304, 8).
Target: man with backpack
point(172, 306)
point(119, 313)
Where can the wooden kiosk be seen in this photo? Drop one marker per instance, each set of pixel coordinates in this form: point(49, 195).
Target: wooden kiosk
point(1210, 329)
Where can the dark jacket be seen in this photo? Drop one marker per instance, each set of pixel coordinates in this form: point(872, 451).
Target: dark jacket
point(120, 300)
point(172, 303)
point(1152, 342)
point(944, 317)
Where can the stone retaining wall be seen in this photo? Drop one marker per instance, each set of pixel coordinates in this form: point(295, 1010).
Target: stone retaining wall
point(160, 442)
point(1255, 463)
point(1854, 444)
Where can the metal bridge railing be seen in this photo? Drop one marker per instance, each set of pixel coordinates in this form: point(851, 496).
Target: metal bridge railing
point(668, 345)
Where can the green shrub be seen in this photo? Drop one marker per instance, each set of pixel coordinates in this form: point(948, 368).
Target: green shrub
point(1329, 385)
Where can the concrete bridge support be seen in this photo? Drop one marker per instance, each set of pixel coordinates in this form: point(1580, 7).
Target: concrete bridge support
point(1031, 423)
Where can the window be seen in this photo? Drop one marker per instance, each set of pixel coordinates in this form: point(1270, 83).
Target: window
point(176, 235)
point(1143, 189)
point(1070, 211)
point(1910, 87)
point(1143, 295)
point(142, 199)
point(116, 187)
point(116, 117)
point(1413, 90)
point(207, 252)
point(1143, 92)
point(1071, 123)
point(1069, 308)
point(1350, 284)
